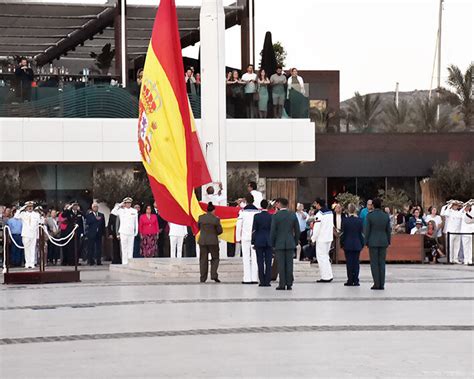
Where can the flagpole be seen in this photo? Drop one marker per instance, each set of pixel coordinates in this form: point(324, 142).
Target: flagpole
point(213, 92)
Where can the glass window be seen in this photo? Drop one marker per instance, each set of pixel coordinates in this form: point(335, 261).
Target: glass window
point(340, 185)
point(368, 188)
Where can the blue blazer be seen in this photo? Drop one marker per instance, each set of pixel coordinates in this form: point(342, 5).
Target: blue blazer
point(352, 237)
point(95, 225)
point(262, 223)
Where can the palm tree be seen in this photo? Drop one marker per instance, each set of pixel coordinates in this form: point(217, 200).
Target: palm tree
point(426, 117)
point(321, 118)
point(397, 119)
point(363, 112)
point(462, 85)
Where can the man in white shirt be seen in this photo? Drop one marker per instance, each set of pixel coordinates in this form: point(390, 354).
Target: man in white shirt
point(29, 232)
point(467, 227)
point(453, 225)
point(323, 235)
point(177, 234)
point(212, 197)
point(257, 195)
point(243, 234)
point(250, 79)
point(128, 228)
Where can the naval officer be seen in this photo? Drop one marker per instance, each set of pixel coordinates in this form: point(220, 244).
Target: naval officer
point(128, 228)
point(29, 232)
point(323, 235)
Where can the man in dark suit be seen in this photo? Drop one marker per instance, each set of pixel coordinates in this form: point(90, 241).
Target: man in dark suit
point(377, 237)
point(210, 228)
point(284, 236)
point(262, 223)
point(352, 241)
point(112, 230)
point(163, 236)
point(95, 222)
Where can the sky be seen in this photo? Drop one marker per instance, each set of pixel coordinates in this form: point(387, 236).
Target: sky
point(373, 43)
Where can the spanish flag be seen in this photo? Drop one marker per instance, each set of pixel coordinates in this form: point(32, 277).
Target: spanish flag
point(167, 138)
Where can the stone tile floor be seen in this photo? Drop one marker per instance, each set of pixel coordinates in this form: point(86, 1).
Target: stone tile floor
point(116, 325)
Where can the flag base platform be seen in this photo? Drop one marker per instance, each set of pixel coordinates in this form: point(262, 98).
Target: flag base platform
point(187, 269)
point(41, 277)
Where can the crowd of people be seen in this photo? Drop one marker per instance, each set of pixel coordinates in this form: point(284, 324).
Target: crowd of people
point(268, 235)
point(252, 94)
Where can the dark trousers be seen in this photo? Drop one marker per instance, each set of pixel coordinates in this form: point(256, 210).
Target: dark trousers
point(204, 251)
point(94, 249)
point(264, 262)
point(377, 265)
point(116, 257)
point(285, 266)
point(53, 252)
point(16, 254)
point(136, 247)
point(68, 250)
point(352, 266)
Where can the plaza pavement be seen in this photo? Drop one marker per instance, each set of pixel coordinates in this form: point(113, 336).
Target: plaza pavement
point(115, 325)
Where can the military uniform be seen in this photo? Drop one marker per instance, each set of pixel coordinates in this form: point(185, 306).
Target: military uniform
point(323, 235)
point(467, 226)
point(128, 228)
point(244, 235)
point(29, 233)
point(453, 225)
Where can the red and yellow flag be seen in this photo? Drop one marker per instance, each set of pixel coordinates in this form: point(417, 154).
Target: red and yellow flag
point(167, 138)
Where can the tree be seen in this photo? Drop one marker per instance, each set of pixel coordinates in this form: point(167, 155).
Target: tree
point(321, 118)
point(345, 198)
point(363, 112)
point(455, 180)
point(397, 119)
point(10, 186)
point(280, 53)
point(426, 116)
point(112, 186)
point(394, 198)
point(103, 61)
point(462, 85)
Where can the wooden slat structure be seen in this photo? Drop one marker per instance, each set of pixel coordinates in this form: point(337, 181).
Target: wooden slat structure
point(286, 188)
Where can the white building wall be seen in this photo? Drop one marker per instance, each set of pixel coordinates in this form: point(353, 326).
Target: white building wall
point(114, 140)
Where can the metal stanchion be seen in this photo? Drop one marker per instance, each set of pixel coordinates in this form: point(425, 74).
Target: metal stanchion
point(6, 235)
point(448, 242)
point(75, 251)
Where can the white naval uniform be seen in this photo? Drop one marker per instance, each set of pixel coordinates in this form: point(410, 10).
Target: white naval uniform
point(128, 229)
point(257, 198)
point(243, 234)
point(323, 235)
point(453, 225)
point(177, 234)
point(467, 226)
point(29, 234)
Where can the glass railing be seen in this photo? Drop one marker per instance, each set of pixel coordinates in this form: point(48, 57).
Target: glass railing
point(78, 96)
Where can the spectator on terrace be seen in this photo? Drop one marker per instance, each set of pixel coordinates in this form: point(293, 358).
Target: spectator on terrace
point(237, 94)
point(414, 219)
point(278, 82)
point(198, 83)
point(263, 83)
point(418, 228)
point(190, 82)
point(295, 82)
point(365, 211)
point(24, 76)
point(250, 89)
point(431, 242)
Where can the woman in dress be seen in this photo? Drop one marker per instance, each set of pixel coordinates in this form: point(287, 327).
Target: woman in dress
point(263, 83)
point(237, 93)
point(148, 229)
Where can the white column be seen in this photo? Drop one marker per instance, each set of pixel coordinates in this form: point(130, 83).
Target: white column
point(213, 91)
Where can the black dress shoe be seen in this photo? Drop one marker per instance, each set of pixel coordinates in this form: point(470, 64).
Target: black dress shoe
point(202, 281)
point(253, 282)
point(324, 280)
point(374, 287)
point(261, 285)
point(288, 288)
point(356, 285)
point(348, 284)
point(280, 288)
point(99, 263)
point(216, 280)
point(267, 285)
point(248, 283)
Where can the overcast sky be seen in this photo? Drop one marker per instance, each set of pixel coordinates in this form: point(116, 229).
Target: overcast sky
point(374, 43)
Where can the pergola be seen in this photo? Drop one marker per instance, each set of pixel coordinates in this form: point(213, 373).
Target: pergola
point(48, 31)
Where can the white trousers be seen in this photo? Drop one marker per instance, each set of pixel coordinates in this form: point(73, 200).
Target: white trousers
point(126, 244)
point(454, 246)
point(30, 251)
point(322, 255)
point(176, 246)
point(467, 249)
point(249, 259)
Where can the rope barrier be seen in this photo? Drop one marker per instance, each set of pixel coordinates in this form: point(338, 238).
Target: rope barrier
point(54, 241)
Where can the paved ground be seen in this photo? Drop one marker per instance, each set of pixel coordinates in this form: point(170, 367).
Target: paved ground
point(115, 325)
